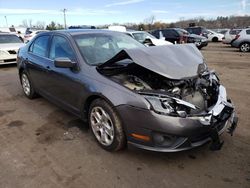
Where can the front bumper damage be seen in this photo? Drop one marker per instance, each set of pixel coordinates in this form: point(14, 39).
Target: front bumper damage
point(180, 133)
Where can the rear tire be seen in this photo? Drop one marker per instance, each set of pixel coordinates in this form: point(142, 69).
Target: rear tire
point(215, 39)
point(106, 126)
point(245, 47)
point(28, 88)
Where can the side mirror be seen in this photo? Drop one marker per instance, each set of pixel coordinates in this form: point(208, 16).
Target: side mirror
point(146, 41)
point(64, 62)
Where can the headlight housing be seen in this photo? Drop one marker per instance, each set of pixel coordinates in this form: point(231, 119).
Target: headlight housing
point(160, 106)
point(169, 105)
point(3, 53)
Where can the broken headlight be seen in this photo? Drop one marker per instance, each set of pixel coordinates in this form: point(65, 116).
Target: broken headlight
point(159, 106)
point(202, 68)
point(169, 105)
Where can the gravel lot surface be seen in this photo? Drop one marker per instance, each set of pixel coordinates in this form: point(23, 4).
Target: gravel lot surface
point(44, 146)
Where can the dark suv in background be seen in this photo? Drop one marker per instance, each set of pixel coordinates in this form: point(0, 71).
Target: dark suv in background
point(198, 40)
point(202, 31)
point(171, 35)
point(178, 35)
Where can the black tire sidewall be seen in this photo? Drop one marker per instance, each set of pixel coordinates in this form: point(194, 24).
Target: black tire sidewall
point(215, 39)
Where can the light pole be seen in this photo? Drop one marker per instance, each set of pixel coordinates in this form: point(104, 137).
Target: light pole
point(6, 21)
point(64, 15)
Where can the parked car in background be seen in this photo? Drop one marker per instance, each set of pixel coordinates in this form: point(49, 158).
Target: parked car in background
point(81, 27)
point(30, 34)
point(172, 35)
point(230, 35)
point(198, 40)
point(198, 30)
point(19, 31)
point(214, 36)
point(141, 36)
point(8, 29)
point(162, 98)
point(242, 40)
point(221, 31)
point(9, 45)
point(146, 38)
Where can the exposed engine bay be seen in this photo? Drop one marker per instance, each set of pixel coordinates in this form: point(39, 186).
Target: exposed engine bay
point(188, 96)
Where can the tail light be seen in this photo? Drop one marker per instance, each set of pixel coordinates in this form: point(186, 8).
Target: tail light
point(237, 36)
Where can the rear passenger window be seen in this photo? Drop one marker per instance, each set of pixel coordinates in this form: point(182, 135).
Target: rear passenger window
point(170, 33)
point(248, 32)
point(60, 47)
point(40, 46)
point(232, 32)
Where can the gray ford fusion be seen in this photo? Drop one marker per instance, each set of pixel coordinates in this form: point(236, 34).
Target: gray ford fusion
point(162, 98)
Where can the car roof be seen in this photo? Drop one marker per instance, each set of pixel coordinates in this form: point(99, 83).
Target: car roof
point(196, 27)
point(6, 33)
point(84, 31)
point(132, 31)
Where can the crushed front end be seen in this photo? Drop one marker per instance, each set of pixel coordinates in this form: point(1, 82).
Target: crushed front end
point(183, 113)
point(186, 104)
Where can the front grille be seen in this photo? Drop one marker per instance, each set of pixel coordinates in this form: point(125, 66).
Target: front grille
point(12, 52)
point(9, 60)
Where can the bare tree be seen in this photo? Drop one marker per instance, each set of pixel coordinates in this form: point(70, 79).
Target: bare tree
point(150, 20)
point(40, 25)
point(25, 23)
point(30, 23)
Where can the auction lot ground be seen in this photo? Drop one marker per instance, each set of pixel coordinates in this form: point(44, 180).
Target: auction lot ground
point(44, 146)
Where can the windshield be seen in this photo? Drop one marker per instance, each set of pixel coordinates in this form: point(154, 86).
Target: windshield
point(9, 39)
point(97, 48)
point(141, 36)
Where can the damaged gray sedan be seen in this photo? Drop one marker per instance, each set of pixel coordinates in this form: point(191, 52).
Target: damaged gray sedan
point(162, 98)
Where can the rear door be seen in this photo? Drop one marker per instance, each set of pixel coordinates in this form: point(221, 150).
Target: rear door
point(171, 35)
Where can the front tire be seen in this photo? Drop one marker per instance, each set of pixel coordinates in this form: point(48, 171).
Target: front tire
point(106, 126)
point(245, 47)
point(28, 89)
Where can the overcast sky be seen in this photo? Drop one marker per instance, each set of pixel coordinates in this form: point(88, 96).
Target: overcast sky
point(97, 12)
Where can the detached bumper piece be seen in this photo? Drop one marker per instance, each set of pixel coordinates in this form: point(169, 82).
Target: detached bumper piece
point(227, 112)
point(217, 143)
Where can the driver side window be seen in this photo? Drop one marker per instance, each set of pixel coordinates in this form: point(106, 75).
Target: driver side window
point(60, 47)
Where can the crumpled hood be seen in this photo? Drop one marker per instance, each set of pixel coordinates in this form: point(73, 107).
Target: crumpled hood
point(11, 46)
point(172, 61)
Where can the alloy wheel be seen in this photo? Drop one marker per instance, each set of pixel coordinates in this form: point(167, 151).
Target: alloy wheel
point(245, 47)
point(26, 84)
point(102, 126)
